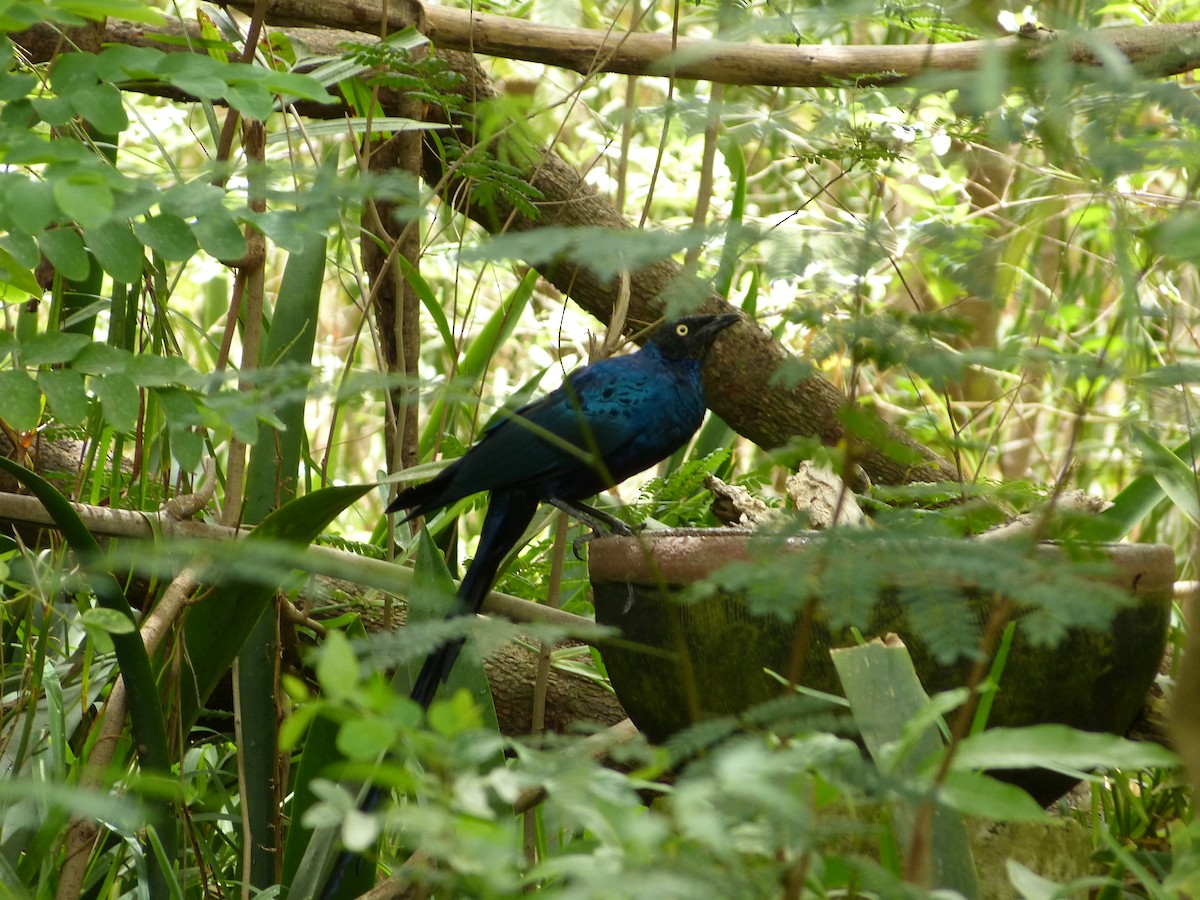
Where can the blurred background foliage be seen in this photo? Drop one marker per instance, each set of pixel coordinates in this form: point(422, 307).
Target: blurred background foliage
point(1001, 261)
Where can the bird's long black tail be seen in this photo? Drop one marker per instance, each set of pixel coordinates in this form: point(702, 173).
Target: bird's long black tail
point(508, 515)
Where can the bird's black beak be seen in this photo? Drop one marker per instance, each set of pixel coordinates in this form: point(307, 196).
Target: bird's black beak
point(719, 323)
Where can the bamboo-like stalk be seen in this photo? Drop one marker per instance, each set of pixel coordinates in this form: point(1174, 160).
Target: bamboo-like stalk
point(104, 522)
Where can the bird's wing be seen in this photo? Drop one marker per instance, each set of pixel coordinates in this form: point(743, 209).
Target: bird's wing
point(558, 434)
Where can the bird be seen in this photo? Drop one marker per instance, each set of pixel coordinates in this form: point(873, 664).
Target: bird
point(606, 422)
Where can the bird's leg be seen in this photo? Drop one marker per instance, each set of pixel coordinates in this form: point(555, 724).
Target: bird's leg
point(596, 519)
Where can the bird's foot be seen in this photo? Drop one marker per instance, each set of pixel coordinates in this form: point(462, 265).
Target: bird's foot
point(598, 520)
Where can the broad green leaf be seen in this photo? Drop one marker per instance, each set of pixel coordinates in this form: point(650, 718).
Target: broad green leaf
point(72, 72)
point(220, 235)
point(64, 248)
point(20, 400)
point(191, 198)
point(23, 247)
point(16, 275)
point(1057, 746)
point(1176, 478)
point(1032, 886)
point(119, 253)
point(1171, 375)
point(976, 794)
point(187, 448)
point(30, 202)
point(102, 359)
point(54, 110)
point(15, 86)
point(148, 370)
point(251, 100)
point(364, 739)
point(52, 347)
point(123, 62)
point(119, 399)
point(167, 235)
point(337, 667)
point(178, 407)
point(85, 198)
point(65, 393)
point(109, 620)
point(1178, 236)
point(99, 10)
point(101, 105)
point(192, 74)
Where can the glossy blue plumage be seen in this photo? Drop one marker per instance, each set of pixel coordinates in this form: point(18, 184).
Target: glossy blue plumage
point(608, 421)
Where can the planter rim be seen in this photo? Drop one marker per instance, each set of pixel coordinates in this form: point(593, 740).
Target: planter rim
point(683, 556)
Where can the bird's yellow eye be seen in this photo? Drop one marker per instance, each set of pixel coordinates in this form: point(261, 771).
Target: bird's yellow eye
point(681, 330)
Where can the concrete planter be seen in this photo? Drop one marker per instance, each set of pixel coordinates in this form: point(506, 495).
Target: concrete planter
point(689, 662)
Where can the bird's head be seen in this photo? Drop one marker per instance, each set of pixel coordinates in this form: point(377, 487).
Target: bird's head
point(690, 337)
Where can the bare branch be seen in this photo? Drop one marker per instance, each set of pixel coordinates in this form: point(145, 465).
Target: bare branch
point(1161, 49)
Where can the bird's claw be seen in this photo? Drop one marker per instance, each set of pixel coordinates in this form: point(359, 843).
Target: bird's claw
point(577, 545)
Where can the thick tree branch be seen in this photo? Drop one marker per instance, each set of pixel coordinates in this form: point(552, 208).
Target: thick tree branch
point(1161, 49)
point(740, 375)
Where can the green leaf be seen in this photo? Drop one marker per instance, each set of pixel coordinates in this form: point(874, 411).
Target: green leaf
point(1171, 375)
point(54, 110)
point(24, 249)
point(52, 347)
point(187, 448)
point(178, 407)
point(976, 794)
point(1172, 474)
point(251, 100)
point(15, 86)
point(101, 105)
point(72, 72)
point(167, 235)
point(1178, 236)
point(364, 739)
point(1057, 746)
point(337, 667)
point(148, 370)
point(64, 248)
point(65, 393)
point(123, 62)
point(84, 198)
point(108, 620)
point(119, 253)
point(19, 277)
point(219, 235)
point(120, 401)
point(20, 400)
point(102, 359)
point(192, 198)
point(99, 10)
point(30, 202)
point(192, 74)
